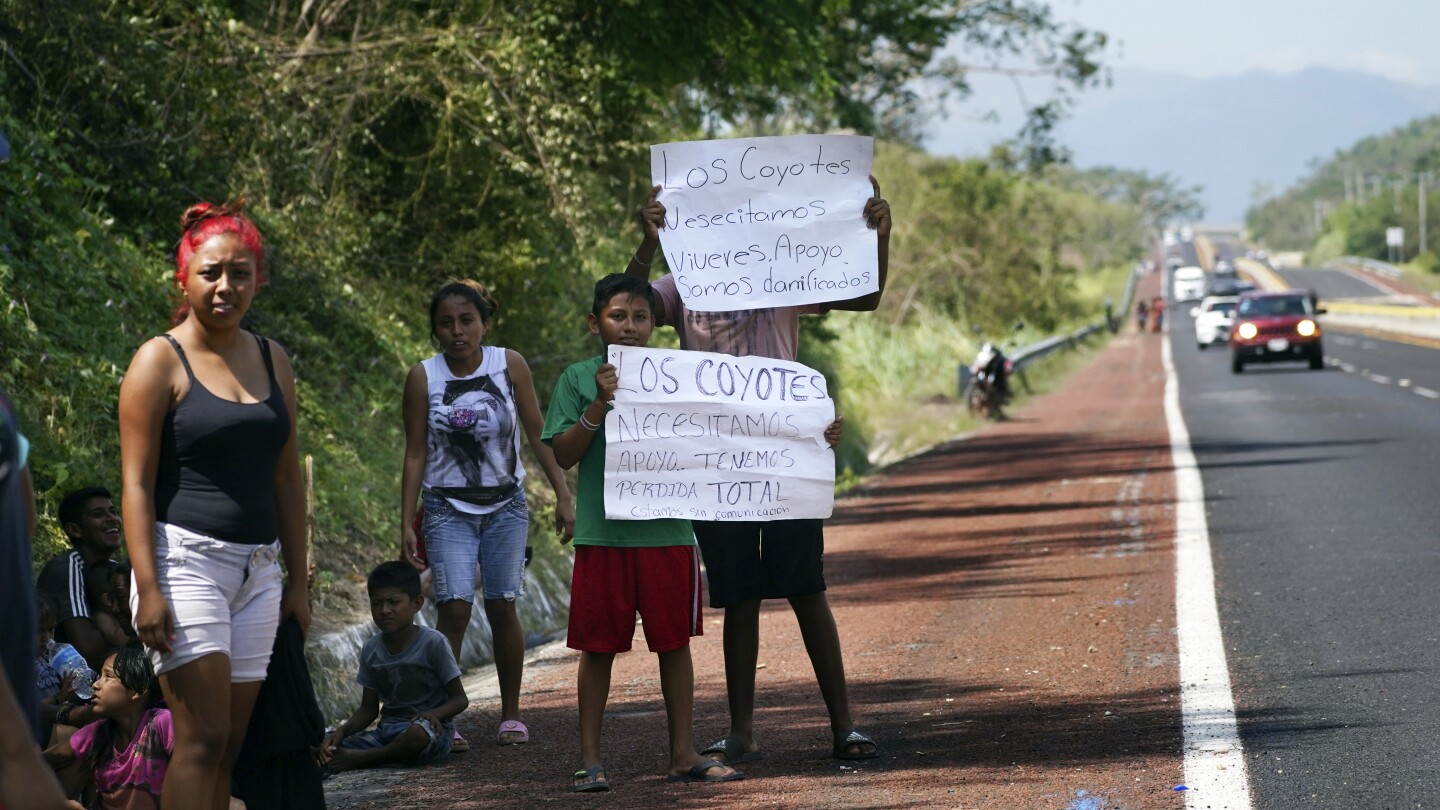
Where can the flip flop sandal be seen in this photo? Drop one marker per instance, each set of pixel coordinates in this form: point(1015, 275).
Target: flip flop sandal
point(733, 751)
point(699, 772)
point(855, 738)
point(458, 744)
point(512, 727)
point(592, 782)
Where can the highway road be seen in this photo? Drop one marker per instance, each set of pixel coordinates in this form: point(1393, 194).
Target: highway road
point(1321, 497)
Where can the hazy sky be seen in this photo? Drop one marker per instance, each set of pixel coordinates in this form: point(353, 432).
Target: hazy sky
point(1392, 38)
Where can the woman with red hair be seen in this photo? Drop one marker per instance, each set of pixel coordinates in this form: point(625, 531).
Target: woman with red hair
point(212, 499)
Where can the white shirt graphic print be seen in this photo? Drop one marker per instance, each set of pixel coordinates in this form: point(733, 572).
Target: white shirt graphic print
point(473, 453)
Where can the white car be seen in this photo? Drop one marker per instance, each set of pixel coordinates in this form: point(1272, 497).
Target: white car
point(1188, 284)
point(1213, 319)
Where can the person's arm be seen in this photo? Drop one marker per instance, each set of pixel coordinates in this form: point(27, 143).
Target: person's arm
point(877, 218)
point(528, 406)
point(86, 636)
point(290, 503)
point(415, 407)
point(572, 445)
point(145, 396)
point(652, 219)
point(833, 430)
point(58, 756)
point(110, 629)
point(364, 715)
point(455, 703)
point(25, 781)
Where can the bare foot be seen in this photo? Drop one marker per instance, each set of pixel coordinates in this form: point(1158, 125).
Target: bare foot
point(344, 759)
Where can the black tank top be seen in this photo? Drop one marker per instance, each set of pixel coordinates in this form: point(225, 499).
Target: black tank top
point(216, 474)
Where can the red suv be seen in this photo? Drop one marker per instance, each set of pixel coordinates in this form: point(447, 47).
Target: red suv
point(1274, 327)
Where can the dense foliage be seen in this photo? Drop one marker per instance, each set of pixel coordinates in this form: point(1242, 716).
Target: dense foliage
point(387, 146)
point(1347, 202)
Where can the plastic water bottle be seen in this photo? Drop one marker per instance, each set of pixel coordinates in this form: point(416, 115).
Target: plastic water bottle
point(65, 659)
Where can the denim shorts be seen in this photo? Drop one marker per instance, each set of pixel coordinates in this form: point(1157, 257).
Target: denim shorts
point(456, 542)
point(388, 730)
point(224, 597)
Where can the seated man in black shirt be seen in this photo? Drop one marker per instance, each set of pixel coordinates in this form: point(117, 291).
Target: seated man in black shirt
point(92, 525)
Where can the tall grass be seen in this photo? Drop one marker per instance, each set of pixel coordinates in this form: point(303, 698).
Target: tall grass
point(899, 391)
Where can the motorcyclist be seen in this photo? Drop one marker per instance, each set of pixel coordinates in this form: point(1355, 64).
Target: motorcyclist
point(992, 365)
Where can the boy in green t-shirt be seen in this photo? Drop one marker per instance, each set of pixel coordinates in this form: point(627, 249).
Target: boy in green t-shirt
point(624, 567)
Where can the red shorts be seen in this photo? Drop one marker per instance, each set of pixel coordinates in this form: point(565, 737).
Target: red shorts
point(610, 585)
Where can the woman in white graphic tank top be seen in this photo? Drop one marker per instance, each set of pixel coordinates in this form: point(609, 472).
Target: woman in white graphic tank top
point(464, 409)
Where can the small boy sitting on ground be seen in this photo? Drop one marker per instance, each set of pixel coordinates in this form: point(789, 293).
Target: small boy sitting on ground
point(107, 588)
point(410, 671)
point(622, 567)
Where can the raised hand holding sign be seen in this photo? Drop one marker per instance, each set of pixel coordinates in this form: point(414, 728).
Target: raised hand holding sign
point(765, 222)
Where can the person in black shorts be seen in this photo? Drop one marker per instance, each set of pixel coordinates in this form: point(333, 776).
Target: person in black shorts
point(747, 563)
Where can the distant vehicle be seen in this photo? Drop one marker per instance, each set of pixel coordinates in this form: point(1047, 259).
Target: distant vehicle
point(1172, 262)
point(1223, 268)
point(1272, 327)
point(1188, 284)
point(1187, 234)
point(1213, 319)
point(1227, 287)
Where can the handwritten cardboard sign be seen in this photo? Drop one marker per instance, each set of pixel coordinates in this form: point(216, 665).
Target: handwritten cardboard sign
point(767, 222)
point(709, 436)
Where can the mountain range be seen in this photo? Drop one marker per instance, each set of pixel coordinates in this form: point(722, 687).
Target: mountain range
point(1234, 136)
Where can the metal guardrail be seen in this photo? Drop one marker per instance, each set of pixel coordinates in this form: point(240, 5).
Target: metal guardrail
point(1027, 355)
point(1374, 265)
point(1035, 351)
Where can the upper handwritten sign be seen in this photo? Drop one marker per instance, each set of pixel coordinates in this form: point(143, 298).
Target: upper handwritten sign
point(767, 222)
point(709, 436)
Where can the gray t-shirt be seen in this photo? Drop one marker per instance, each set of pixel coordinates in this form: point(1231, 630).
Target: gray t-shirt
point(411, 681)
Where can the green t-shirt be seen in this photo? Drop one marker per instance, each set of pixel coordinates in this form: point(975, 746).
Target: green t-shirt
point(573, 394)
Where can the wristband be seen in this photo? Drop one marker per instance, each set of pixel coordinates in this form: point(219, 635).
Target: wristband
point(587, 424)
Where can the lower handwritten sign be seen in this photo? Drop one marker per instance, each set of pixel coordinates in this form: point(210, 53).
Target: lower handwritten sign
point(709, 436)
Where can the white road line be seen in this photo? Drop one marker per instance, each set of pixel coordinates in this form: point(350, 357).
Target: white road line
point(1215, 769)
point(1426, 392)
point(1379, 378)
point(1347, 368)
point(1403, 382)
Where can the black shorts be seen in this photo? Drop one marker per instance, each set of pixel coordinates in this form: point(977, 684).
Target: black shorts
point(778, 559)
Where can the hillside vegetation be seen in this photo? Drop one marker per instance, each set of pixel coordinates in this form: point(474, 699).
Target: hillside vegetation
point(1345, 204)
point(385, 150)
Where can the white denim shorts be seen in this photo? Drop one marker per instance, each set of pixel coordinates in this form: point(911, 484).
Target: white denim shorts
point(224, 597)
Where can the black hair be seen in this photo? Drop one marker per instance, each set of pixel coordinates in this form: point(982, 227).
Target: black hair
point(470, 290)
point(97, 579)
point(620, 284)
point(72, 507)
point(395, 574)
point(133, 670)
point(44, 611)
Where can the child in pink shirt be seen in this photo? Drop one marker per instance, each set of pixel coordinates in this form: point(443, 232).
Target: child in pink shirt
point(127, 753)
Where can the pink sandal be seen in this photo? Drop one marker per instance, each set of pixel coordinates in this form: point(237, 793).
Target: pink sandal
point(512, 727)
point(458, 744)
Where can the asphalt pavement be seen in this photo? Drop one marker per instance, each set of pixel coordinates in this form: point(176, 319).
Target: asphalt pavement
point(1321, 501)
